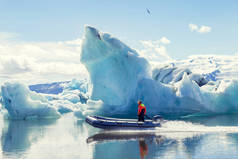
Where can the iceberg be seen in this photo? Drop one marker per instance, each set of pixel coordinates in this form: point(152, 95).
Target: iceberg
point(119, 76)
point(224, 99)
point(21, 103)
point(172, 74)
point(114, 68)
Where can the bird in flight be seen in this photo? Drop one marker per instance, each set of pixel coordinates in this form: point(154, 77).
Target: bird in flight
point(148, 11)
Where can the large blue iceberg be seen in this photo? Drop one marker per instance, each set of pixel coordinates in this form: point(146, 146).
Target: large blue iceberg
point(120, 77)
point(114, 68)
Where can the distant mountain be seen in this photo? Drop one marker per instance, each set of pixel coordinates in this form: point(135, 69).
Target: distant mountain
point(48, 88)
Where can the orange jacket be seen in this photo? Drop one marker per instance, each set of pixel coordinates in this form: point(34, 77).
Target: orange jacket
point(140, 107)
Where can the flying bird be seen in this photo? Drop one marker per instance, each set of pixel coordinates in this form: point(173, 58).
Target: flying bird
point(148, 11)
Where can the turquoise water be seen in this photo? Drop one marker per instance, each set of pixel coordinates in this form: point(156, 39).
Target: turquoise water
point(191, 138)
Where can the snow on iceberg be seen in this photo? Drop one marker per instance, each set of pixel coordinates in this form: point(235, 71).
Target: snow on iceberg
point(114, 68)
point(172, 74)
point(21, 103)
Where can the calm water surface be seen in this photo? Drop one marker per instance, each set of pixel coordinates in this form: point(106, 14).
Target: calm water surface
point(69, 138)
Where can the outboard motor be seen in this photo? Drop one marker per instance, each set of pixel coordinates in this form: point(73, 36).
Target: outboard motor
point(157, 118)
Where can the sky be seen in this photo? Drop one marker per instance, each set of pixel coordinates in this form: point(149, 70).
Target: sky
point(49, 32)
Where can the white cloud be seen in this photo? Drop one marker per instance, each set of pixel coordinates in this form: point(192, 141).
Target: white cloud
point(164, 40)
point(14, 65)
point(193, 27)
point(163, 52)
point(203, 29)
point(148, 44)
point(38, 62)
point(7, 35)
point(154, 50)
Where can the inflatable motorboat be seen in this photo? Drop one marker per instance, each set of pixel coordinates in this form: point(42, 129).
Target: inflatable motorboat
point(115, 123)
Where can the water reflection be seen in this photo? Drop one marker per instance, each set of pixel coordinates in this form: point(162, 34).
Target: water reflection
point(104, 136)
point(176, 145)
point(143, 148)
point(144, 144)
point(18, 136)
point(68, 137)
point(61, 138)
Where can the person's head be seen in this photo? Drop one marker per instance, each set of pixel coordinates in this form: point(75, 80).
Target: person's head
point(139, 102)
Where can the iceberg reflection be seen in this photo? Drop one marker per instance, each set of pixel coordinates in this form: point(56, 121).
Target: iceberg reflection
point(18, 136)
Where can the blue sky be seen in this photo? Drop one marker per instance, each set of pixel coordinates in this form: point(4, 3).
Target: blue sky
point(57, 20)
point(40, 40)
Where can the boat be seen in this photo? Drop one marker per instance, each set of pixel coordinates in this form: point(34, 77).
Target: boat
point(116, 123)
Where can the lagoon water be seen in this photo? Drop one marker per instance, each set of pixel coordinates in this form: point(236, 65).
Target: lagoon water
point(69, 138)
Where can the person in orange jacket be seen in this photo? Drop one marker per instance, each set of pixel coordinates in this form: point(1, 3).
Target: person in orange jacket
point(141, 111)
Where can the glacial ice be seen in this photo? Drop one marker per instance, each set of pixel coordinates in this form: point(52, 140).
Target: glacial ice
point(24, 104)
point(114, 68)
point(119, 77)
point(178, 87)
point(172, 74)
